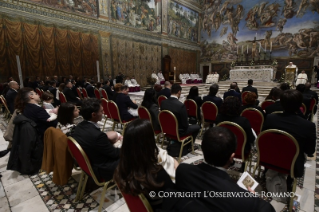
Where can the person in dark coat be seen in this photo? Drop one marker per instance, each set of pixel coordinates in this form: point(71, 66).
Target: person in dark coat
point(232, 92)
point(111, 81)
point(119, 78)
point(251, 89)
point(124, 102)
point(11, 95)
point(98, 146)
point(90, 89)
point(193, 94)
point(250, 100)
point(69, 94)
point(310, 94)
point(108, 89)
point(150, 103)
point(276, 92)
point(211, 97)
point(166, 91)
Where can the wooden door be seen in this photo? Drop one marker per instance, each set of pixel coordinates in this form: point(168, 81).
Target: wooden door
point(205, 73)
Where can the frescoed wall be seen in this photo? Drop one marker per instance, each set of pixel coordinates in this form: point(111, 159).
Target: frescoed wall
point(242, 30)
point(182, 22)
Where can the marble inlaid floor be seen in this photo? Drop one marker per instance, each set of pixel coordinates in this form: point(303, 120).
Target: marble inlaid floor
point(38, 194)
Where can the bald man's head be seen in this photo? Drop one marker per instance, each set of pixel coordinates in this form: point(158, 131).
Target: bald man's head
point(307, 86)
point(14, 85)
point(233, 85)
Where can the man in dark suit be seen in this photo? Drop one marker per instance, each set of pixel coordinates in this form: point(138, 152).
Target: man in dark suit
point(52, 89)
point(96, 144)
point(232, 92)
point(166, 91)
point(108, 90)
point(251, 89)
point(211, 97)
point(302, 130)
point(119, 78)
point(219, 146)
point(277, 105)
point(74, 87)
point(69, 95)
point(111, 81)
point(124, 102)
point(179, 110)
point(55, 79)
point(90, 89)
point(311, 94)
point(11, 95)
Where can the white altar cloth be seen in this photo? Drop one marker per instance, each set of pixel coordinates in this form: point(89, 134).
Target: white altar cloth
point(260, 73)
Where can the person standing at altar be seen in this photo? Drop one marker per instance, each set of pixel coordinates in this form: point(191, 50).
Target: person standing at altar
point(156, 77)
point(161, 77)
point(291, 65)
point(302, 78)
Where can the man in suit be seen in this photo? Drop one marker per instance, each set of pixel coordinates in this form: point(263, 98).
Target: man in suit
point(302, 130)
point(219, 146)
point(69, 95)
point(232, 92)
point(11, 95)
point(119, 78)
point(311, 94)
point(277, 105)
point(90, 89)
point(96, 144)
point(108, 89)
point(111, 81)
point(124, 102)
point(52, 89)
point(179, 110)
point(55, 79)
point(166, 91)
point(251, 89)
point(211, 97)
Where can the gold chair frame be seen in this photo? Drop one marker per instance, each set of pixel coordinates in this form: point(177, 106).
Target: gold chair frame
point(159, 105)
point(78, 90)
point(292, 164)
point(119, 115)
point(177, 134)
point(203, 118)
point(63, 96)
point(279, 111)
point(95, 89)
point(7, 113)
point(248, 161)
point(268, 100)
point(103, 90)
point(105, 117)
point(254, 109)
point(191, 100)
point(84, 177)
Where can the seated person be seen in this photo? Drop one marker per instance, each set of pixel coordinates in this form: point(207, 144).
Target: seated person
point(150, 103)
point(156, 77)
point(182, 79)
point(69, 95)
point(11, 95)
point(161, 77)
point(302, 130)
point(230, 111)
point(250, 100)
point(188, 79)
point(284, 86)
point(211, 97)
point(134, 83)
point(166, 91)
point(129, 84)
point(219, 146)
point(306, 99)
point(302, 78)
point(108, 89)
point(90, 89)
point(232, 92)
point(276, 92)
point(47, 99)
point(136, 175)
point(209, 78)
point(117, 90)
point(311, 94)
point(97, 145)
point(193, 77)
point(269, 97)
point(193, 94)
point(124, 103)
point(66, 115)
point(199, 79)
point(215, 77)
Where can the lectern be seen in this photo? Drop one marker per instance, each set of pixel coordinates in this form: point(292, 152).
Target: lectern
point(290, 76)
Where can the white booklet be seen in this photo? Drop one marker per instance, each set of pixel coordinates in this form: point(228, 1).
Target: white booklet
point(246, 180)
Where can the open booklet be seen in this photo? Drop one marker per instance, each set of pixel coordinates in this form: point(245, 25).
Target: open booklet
point(246, 180)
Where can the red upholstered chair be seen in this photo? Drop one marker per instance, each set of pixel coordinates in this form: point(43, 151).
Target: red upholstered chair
point(313, 103)
point(255, 118)
point(85, 93)
point(115, 115)
point(209, 114)
point(97, 93)
point(106, 111)
point(266, 103)
point(160, 99)
point(191, 108)
point(143, 113)
point(278, 158)
point(243, 94)
point(169, 126)
point(104, 94)
point(62, 97)
point(78, 91)
point(7, 111)
point(137, 203)
point(241, 141)
point(83, 161)
point(303, 108)
point(39, 91)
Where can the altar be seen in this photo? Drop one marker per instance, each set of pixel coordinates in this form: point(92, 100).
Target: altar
point(259, 72)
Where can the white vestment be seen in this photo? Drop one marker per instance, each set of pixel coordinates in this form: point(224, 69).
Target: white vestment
point(197, 77)
point(181, 77)
point(209, 78)
point(301, 79)
point(134, 82)
point(293, 66)
point(128, 83)
point(161, 77)
point(156, 77)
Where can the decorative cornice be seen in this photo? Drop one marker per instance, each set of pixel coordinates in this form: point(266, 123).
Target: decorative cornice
point(49, 15)
point(193, 5)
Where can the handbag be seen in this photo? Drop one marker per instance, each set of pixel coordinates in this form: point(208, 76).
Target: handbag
point(8, 135)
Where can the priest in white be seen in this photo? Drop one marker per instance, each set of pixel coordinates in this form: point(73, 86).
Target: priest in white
point(156, 77)
point(181, 77)
point(136, 85)
point(161, 77)
point(129, 84)
point(302, 78)
point(215, 78)
point(209, 78)
point(291, 65)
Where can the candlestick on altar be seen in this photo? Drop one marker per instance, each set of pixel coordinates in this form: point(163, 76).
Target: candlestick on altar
point(237, 49)
point(270, 46)
point(242, 49)
point(247, 49)
point(259, 47)
point(265, 47)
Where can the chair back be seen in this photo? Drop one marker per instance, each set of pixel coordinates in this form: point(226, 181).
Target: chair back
point(313, 103)
point(243, 94)
point(191, 108)
point(104, 94)
point(241, 137)
point(97, 93)
point(78, 91)
point(85, 93)
point(169, 124)
point(39, 92)
point(266, 103)
point(278, 158)
point(255, 118)
point(4, 102)
point(143, 113)
point(209, 111)
point(114, 111)
point(303, 108)
point(160, 99)
point(137, 203)
point(62, 97)
point(105, 105)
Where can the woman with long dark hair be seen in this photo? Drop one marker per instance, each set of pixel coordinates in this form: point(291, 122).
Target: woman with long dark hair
point(193, 94)
point(66, 114)
point(139, 171)
point(150, 102)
